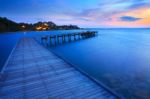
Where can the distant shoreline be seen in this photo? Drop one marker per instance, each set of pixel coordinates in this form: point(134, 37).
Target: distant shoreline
point(7, 25)
point(10, 26)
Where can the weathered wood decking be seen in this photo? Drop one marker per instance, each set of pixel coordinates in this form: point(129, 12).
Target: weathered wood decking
point(33, 72)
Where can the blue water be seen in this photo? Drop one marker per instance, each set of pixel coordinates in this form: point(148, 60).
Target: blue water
point(119, 58)
point(9, 40)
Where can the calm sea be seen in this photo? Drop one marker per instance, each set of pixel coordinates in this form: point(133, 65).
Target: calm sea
point(118, 58)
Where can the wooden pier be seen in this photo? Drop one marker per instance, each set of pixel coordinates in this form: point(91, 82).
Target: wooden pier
point(33, 72)
point(67, 37)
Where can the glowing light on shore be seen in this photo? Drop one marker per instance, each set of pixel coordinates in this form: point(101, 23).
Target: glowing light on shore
point(38, 28)
point(44, 26)
point(23, 26)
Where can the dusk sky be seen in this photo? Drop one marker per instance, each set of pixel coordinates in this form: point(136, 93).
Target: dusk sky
point(84, 13)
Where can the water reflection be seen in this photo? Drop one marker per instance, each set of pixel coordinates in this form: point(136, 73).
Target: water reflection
point(119, 58)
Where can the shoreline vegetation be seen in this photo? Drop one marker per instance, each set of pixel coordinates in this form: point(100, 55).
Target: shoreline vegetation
point(7, 25)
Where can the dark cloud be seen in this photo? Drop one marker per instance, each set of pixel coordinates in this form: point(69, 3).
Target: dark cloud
point(129, 18)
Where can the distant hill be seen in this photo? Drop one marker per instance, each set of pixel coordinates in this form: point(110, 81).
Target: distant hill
point(7, 25)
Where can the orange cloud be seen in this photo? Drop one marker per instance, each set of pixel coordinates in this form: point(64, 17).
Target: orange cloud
point(143, 13)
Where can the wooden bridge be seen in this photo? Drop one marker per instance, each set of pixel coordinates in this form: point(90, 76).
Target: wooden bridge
point(67, 37)
point(33, 72)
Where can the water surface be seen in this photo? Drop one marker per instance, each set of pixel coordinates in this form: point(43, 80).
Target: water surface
point(119, 58)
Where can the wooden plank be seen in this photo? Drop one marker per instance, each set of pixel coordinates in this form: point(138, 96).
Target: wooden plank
point(34, 72)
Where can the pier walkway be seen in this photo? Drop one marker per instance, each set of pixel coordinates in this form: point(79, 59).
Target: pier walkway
point(66, 37)
point(33, 72)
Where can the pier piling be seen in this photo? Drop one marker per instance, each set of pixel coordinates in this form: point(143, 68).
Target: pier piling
point(68, 37)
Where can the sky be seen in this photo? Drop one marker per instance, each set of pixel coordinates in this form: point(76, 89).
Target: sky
point(84, 13)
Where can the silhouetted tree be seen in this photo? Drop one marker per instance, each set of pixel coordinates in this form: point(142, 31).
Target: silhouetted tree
point(7, 25)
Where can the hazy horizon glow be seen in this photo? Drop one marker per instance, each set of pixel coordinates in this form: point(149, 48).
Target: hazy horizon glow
point(89, 13)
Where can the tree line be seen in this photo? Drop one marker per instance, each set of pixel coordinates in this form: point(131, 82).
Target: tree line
point(7, 25)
